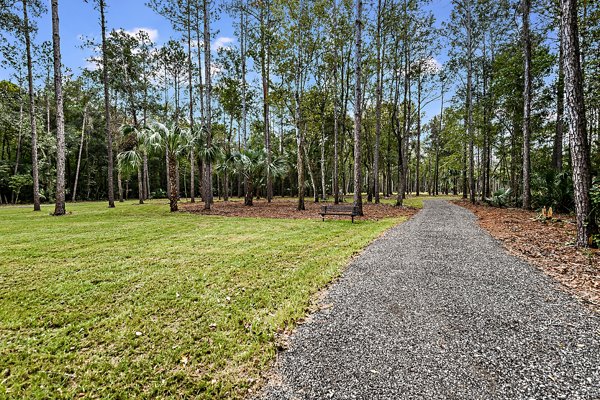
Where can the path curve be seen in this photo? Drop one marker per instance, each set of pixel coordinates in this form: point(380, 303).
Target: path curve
point(436, 309)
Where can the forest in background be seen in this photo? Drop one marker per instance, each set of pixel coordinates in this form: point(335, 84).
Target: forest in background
point(327, 96)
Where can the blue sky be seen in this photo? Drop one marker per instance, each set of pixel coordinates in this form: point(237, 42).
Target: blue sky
point(80, 19)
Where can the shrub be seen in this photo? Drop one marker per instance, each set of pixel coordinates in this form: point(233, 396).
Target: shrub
point(552, 189)
point(159, 194)
point(500, 198)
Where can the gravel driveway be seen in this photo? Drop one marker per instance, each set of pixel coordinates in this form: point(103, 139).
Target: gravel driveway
point(436, 309)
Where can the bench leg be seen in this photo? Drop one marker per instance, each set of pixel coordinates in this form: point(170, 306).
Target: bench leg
point(353, 219)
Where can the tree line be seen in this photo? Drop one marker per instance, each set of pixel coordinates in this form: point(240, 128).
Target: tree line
point(322, 98)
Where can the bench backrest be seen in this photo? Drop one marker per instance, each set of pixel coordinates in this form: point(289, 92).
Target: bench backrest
point(339, 209)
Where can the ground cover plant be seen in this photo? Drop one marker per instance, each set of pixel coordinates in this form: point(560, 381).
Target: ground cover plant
point(139, 302)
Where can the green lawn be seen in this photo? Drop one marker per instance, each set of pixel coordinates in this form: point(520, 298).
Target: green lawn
point(137, 302)
point(417, 201)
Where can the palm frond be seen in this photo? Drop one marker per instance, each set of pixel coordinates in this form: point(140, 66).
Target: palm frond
point(128, 162)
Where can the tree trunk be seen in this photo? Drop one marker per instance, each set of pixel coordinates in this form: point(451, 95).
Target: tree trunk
point(437, 146)
point(358, 109)
point(109, 139)
point(470, 131)
point(311, 175)
point(173, 191)
point(335, 184)
point(191, 95)
point(74, 197)
point(264, 66)
point(322, 148)
point(192, 176)
point(377, 106)
point(208, 197)
point(247, 188)
point(146, 177)
point(249, 194)
point(140, 184)
point(59, 208)
point(299, 133)
point(120, 185)
point(487, 135)
point(177, 178)
point(299, 158)
point(557, 150)
point(526, 5)
point(575, 109)
point(32, 119)
point(397, 130)
point(464, 170)
point(418, 147)
point(18, 152)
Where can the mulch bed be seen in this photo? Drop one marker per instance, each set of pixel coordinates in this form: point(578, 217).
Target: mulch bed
point(547, 245)
point(286, 209)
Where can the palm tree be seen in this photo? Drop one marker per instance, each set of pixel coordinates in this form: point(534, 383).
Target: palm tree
point(253, 165)
point(129, 161)
point(132, 159)
point(225, 167)
point(208, 152)
point(174, 141)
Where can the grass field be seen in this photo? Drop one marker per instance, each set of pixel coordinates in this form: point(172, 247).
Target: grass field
point(135, 302)
point(417, 201)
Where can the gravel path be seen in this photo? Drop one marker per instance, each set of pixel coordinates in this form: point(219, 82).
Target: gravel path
point(436, 309)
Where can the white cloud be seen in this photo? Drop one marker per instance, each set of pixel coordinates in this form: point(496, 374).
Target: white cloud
point(429, 65)
point(215, 69)
point(91, 65)
point(222, 41)
point(432, 65)
point(152, 33)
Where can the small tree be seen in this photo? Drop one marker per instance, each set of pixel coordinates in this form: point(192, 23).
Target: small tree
point(253, 165)
point(131, 160)
point(173, 141)
point(18, 182)
point(208, 152)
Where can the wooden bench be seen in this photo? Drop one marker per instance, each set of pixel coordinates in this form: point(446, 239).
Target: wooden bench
point(335, 209)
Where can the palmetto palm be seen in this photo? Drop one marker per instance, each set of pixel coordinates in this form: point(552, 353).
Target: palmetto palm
point(253, 165)
point(225, 167)
point(172, 141)
point(131, 159)
point(208, 154)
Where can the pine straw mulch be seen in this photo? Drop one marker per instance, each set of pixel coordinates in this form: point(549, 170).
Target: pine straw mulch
point(285, 208)
point(547, 245)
